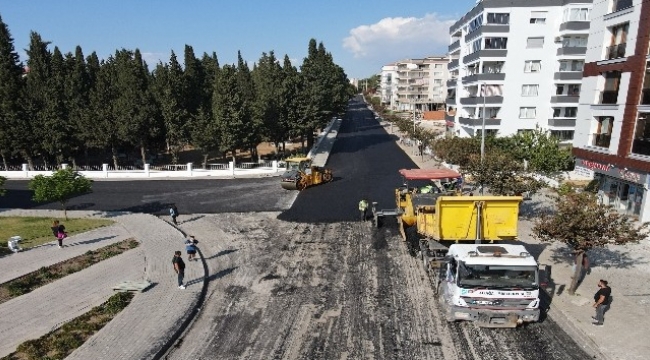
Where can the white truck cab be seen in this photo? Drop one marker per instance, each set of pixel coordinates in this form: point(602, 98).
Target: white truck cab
point(495, 285)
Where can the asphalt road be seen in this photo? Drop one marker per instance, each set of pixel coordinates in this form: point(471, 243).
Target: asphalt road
point(314, 283)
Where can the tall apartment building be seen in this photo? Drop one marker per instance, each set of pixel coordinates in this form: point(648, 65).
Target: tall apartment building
point(388, 84)
point(612, 141)
point(520, 62)
point(415, 83)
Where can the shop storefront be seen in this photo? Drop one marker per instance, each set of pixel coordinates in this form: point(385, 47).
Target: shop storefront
point(622, 188)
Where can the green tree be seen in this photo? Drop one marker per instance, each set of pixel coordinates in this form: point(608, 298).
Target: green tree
point(77, 87)
point(11, 83)
point(581, 223)
point(204, 130)
point(246, 90)
point(539, 149)
point(290, 101)
point(268, 84)
point(61, 186)
point(2, 186)
point(106, 134)
point(55, 129)
point(229, 111)
point(501, 174)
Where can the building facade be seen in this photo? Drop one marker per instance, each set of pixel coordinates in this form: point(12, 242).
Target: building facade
point(612, 141)
point(415, 84)
point(520, 63)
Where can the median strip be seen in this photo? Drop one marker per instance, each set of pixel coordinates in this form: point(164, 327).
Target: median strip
point(45, 275)
point(61, 342)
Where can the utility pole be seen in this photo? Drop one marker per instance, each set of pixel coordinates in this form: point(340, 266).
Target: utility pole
point(483, 90)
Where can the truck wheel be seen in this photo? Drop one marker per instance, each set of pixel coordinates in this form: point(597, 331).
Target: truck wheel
point(327, 177)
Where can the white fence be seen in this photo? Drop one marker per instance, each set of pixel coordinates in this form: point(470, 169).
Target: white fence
point(106, 171)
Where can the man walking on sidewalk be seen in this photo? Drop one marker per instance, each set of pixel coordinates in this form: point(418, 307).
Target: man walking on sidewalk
point(173, 212)
point(601, 302)
point(179, 267)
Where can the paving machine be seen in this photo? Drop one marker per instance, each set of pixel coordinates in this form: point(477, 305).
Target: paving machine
point(300, 174)
point(493, 285)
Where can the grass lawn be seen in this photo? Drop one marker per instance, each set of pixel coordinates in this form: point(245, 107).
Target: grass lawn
point(36, 230)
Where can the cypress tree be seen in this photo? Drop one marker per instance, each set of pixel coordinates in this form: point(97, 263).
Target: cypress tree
point(252, 127)
point(268, 84)
point(229, 111)
point(12, 121)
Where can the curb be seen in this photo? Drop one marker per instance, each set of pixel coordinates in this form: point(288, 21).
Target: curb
point(176, 339)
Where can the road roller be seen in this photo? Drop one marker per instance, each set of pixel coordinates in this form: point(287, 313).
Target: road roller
point(300, 174)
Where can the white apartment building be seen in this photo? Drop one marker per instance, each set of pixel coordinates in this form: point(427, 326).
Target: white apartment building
point(612, 141)
point(415, 83)
point(520, 62)
point(388, 85)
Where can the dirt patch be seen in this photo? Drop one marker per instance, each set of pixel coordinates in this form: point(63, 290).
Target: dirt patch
point(45, 275)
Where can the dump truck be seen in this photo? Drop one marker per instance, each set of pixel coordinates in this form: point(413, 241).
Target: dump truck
point(300, 174)
point(459, 240)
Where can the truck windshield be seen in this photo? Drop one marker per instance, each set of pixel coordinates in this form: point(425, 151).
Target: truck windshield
point(497, 277)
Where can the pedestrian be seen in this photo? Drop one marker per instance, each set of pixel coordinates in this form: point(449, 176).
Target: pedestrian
point(58, 230)
point(363, 208)
point(173, 212)
point(190, 247)
point(179, 267)
point(601, 302)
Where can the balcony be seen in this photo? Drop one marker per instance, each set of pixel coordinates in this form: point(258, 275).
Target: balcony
point(622, 5)
point(608, 97)
point(564, 99)
point(615, 51)
point(562, 122)
point(486, 53)
point(450, 101)
point(449, 118)
point(572, 51)
point(575, 26)
point(484, 77)
point(487, 28)
point(452, 64)
point(454, 46)
point(451, 83)
point(479, 121)
point(601, 140)
point(477, 100)
point(568, 75)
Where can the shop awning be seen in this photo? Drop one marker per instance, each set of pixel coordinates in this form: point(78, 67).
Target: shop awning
point(428, 174)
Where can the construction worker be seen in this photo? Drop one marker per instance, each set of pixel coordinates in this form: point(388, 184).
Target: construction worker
point(426, 189)
point(363, 208)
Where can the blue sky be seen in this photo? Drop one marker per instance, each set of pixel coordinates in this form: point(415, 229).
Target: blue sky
point(361, 35)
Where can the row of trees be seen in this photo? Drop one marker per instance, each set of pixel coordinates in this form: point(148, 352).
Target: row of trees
point(67, 105)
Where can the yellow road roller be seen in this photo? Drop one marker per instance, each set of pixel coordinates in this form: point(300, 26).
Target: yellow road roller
point(300, 174)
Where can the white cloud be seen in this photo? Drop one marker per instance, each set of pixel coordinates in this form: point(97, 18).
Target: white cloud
point(153, 58)
point(399, 37)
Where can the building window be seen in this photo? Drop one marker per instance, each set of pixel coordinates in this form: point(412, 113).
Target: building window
point(533, 66)
point(603, 134)
point(527, 112)
point(641, 144)
point(538, 17)
point(437, 66)
point(562, 135)
point(576, 14)
point(557, 112)
point(437, 73)
point(574, 41)
point(571, 112)
point(618, 41)
point(491, 113)
point(609, 95)
point(529, 90)
point(574, 90)
point(535, 43)
point(571, 65)
point(475, 24)
point(559, 89)
point(437, 81)
point(498, 18)
point(619, 5)
point(492, 67)
point(496, 43)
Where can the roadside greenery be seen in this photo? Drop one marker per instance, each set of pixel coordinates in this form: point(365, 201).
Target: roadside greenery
point(580, 222)
point(2, 186)
point(36, 230)
point(61, 342)
point(45, 275)
point(68, 107)
point(61, 186)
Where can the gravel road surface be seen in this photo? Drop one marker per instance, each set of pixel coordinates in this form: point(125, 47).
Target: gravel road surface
point(310, 283)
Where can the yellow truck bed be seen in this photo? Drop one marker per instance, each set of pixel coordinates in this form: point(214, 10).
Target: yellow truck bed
point(454, 218)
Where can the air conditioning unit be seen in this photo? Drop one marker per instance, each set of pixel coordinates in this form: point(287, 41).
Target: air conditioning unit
point(558, 39)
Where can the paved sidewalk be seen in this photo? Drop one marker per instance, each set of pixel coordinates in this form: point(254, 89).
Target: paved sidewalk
point(46, 308)
point(152, 318)
point(30, 260)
